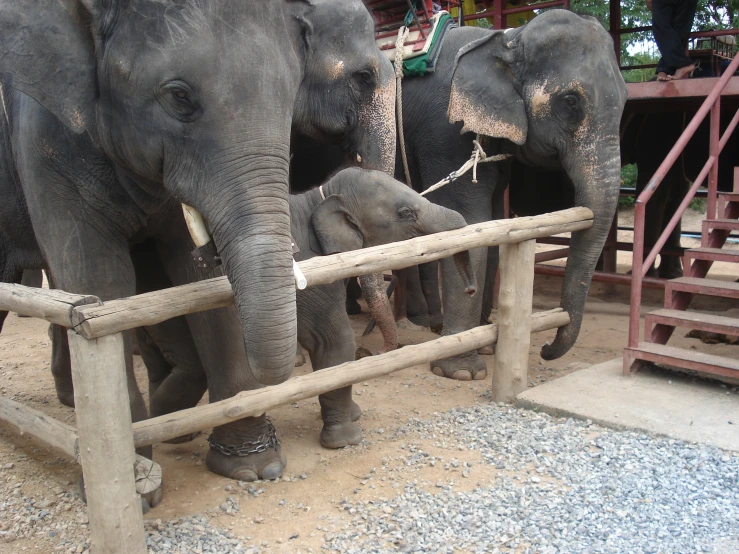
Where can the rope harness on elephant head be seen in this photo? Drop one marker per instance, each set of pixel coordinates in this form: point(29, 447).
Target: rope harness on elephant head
point(478, 154)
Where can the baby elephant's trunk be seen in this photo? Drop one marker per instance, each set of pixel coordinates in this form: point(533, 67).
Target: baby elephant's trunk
point(464, 266)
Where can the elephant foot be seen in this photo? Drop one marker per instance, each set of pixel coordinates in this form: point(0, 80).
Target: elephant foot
point(462, 368)
point(66, 397)
point(356, 411)
point(670, 270)
point(488, 350)
point(267, 465)
point(353, 307)
point(183, 439)
point(420, 319)
point(339, 435)
point(436, 322)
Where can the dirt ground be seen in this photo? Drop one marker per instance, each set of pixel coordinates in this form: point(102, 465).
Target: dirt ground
point(307, 501)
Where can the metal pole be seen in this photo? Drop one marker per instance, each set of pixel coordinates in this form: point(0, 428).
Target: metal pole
point(714, 151)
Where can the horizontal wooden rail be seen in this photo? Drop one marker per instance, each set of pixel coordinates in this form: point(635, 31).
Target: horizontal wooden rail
point(155, 307)
point(64, 437)
point(256, 402)
point(54, 306)
point(41, 426)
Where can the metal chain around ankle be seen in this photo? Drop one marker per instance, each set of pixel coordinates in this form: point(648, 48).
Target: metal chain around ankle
point(264, 442)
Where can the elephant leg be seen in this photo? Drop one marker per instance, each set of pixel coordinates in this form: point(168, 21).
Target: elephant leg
point(247, 449)
point(8, 274)
point(429, 276)
point(324, 330)
point(417, 309)
point(461, 312)
point(488, 297)
point(353, 293)
point(65, 276)
point(177, 379)
point(491, 270)
point(61, 368)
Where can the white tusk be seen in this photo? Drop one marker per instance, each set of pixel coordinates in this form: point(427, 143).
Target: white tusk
point(359, 158)
point(196, 226)
point(300, 281)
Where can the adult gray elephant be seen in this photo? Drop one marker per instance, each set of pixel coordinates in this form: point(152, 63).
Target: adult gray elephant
point(117, 111)
point(356, 208)
point(549, 93)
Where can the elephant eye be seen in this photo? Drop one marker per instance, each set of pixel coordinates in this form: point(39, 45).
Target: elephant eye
point(406, 213)
point(366, 76)
point(180, 100)
point(571, 100)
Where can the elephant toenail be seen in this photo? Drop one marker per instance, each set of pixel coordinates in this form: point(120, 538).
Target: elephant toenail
point(480, 375)
point(462, 375)
point(437, 371)
point(246, 475)
point(272, 471)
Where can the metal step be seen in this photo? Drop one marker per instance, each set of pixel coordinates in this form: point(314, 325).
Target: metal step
point(713, 254)
point(708, 287)
point(723, 224)
point(693, 320)
point(686, 359)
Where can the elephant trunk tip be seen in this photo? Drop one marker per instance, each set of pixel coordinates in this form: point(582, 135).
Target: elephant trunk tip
point(561, 345)
point(470, 290)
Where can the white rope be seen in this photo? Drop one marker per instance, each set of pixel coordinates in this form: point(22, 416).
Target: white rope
point(478, 157)
point(399, 43)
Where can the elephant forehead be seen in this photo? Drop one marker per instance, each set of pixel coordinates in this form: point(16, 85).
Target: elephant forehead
point(335, 68)
point(540, 96)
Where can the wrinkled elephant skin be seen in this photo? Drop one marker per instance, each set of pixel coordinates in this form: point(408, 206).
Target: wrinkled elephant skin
point(119, 111)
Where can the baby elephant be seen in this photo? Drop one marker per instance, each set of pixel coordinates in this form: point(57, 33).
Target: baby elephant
point(356, 208)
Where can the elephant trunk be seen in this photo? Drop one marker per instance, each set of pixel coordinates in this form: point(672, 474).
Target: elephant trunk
point(375, 139)
point(373, 290)
point(596, 180)
point(440, 219)
point(376, 150)
point(248, 213)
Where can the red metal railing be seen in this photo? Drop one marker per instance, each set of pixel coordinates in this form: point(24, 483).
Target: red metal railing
point(641, 265)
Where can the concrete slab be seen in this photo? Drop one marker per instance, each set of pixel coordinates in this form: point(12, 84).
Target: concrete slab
point(654, 401)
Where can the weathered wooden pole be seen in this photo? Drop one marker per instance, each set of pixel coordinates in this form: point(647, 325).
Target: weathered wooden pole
point(106, 444)
point(514, 319)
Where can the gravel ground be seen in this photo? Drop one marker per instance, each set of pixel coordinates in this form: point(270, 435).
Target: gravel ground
point(545, 485)
point(559, 486)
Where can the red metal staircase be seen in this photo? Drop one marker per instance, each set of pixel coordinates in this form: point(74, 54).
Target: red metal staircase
point(722, 217)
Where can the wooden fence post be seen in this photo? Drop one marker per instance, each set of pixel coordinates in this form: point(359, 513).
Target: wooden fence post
point(514, 319)
point(106, 444)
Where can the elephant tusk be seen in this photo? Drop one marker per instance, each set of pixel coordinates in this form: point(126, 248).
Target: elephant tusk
point(359, 158)
point(300, 281)
point(196, 226)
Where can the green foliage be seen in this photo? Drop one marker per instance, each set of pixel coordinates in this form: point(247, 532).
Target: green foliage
point(710, 15)
point(628, 179)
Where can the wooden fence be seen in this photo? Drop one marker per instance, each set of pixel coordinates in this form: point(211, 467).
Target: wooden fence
point(104, 439)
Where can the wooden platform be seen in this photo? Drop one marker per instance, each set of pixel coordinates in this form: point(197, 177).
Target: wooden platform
point(651, 96)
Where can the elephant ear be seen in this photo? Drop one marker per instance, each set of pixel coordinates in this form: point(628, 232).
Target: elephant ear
point(332, 227)
point(47, 52)
point(483, 94)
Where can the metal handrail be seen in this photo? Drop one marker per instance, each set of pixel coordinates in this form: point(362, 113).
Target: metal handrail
point(640, 265)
